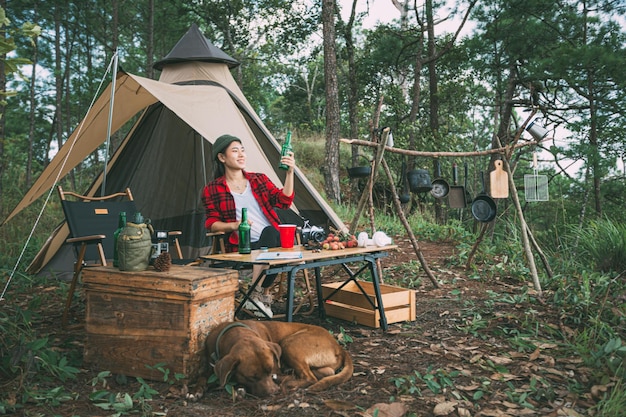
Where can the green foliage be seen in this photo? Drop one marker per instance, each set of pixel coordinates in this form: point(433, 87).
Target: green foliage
point(613, 402)
point(601, 243)
point(124, 403)
point(30, 360)
point(434, 380)
point(161, 367)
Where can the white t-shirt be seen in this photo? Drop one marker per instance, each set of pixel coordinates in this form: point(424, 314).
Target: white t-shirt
point(255, 214)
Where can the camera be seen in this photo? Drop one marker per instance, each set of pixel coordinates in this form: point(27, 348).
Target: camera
point(312, 233)
point(159, 243)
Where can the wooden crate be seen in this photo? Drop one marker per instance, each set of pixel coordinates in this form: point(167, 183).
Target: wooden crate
point(134, 319)
point(350, 304)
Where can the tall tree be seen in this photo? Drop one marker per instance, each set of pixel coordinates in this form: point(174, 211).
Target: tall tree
point(333, 117)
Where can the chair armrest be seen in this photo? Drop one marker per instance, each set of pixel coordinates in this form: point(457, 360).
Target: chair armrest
point(86, 239)
point(218, 242)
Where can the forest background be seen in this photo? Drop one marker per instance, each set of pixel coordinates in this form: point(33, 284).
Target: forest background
point(439, 83)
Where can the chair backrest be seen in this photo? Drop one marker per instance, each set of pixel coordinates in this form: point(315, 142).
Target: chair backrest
point(88, 216)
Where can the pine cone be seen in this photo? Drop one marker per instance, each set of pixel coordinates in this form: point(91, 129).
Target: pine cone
point(163, 262)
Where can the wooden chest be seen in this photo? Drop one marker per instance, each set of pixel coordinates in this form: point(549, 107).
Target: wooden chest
point(350, 304)
point(136, 320)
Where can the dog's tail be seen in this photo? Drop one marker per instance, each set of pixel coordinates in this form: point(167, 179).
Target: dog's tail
point(339, 378)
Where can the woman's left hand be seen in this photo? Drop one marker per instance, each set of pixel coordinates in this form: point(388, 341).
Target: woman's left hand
point(289, 160)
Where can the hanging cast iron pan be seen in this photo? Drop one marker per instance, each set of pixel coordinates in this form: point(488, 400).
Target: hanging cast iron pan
point(484, 207)
point(456, 195)
point(441, 188)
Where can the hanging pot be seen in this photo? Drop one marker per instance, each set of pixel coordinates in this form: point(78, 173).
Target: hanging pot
point(419, 181)
point(440, 186)
point(360, 171)
point(484, 207)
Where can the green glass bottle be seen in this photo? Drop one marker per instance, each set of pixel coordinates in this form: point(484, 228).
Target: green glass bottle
point(121, 224)
point(286, 149)
point(244, 233)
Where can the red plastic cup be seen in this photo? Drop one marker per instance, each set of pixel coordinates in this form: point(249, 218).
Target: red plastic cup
point(287, 235)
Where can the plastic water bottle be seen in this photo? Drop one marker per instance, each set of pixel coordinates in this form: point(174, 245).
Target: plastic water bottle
point(244, 233)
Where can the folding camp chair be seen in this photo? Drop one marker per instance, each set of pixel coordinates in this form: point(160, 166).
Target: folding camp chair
point(92, 221)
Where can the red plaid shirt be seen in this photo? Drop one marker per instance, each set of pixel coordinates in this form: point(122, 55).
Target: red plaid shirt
point(219, 203)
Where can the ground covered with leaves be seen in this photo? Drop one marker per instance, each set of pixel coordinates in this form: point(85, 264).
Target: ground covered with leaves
point(481, 345)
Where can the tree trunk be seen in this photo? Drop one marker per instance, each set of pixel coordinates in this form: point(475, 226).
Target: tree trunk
point(434, 94)
point(150, 46)
point(331, 166)
point(3, 88)
point(31, 117)
point(352, 92)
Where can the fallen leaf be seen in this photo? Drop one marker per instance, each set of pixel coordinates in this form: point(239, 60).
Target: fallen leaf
point(270, 407)
point(534, 355)
point(476, 358)
point(597, 390)
point(463, 412)
point(387, 410)
point(338, 405)
point(444, 408)
point(567, 412)
point(500, 360)
point(503, 377)
point(472, 387)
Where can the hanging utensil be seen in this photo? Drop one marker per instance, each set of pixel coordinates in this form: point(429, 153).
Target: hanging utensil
point(484, 207)
point(535, 186)
point(468, 196)
point(499, 181)
point(456, 195)
point(441, 188)
point(405, 195)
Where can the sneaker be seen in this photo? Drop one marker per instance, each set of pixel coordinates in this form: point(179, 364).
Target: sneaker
point(258, 307)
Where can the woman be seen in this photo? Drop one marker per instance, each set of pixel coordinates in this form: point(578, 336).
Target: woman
point(235, 188)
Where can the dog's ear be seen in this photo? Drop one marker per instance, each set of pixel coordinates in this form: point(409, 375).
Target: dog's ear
point(276, 351)
point(224, 367)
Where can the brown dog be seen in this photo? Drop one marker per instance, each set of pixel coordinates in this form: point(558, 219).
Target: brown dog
point(251, 353)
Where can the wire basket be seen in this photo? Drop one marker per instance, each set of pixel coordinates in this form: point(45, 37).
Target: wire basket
point(536, 187)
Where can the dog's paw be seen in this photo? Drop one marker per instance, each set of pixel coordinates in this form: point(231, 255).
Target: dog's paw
point(194, 396)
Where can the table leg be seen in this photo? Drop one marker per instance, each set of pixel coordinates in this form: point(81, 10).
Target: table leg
point(246, 296)
point(379, 298)
point(291, 278)
point(320, 298)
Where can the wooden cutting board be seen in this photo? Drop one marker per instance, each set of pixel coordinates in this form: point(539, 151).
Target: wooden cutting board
point(499, 181)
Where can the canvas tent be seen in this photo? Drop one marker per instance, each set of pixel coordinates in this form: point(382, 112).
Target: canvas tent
point(165, 158)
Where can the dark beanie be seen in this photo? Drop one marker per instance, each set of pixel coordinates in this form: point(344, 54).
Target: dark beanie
point(222, 143)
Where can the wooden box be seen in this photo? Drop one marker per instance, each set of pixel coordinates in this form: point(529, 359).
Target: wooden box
point(134, 319)
point(350, 303)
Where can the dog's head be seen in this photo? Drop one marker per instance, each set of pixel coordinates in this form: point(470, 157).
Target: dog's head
point(253, 363)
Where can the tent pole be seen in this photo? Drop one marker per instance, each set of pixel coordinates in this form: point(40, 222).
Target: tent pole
point(108, 142)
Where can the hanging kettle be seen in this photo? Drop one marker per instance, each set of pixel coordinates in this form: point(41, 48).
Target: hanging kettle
point(419, 181)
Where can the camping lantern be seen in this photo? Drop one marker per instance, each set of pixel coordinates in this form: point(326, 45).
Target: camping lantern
point(419, 181)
